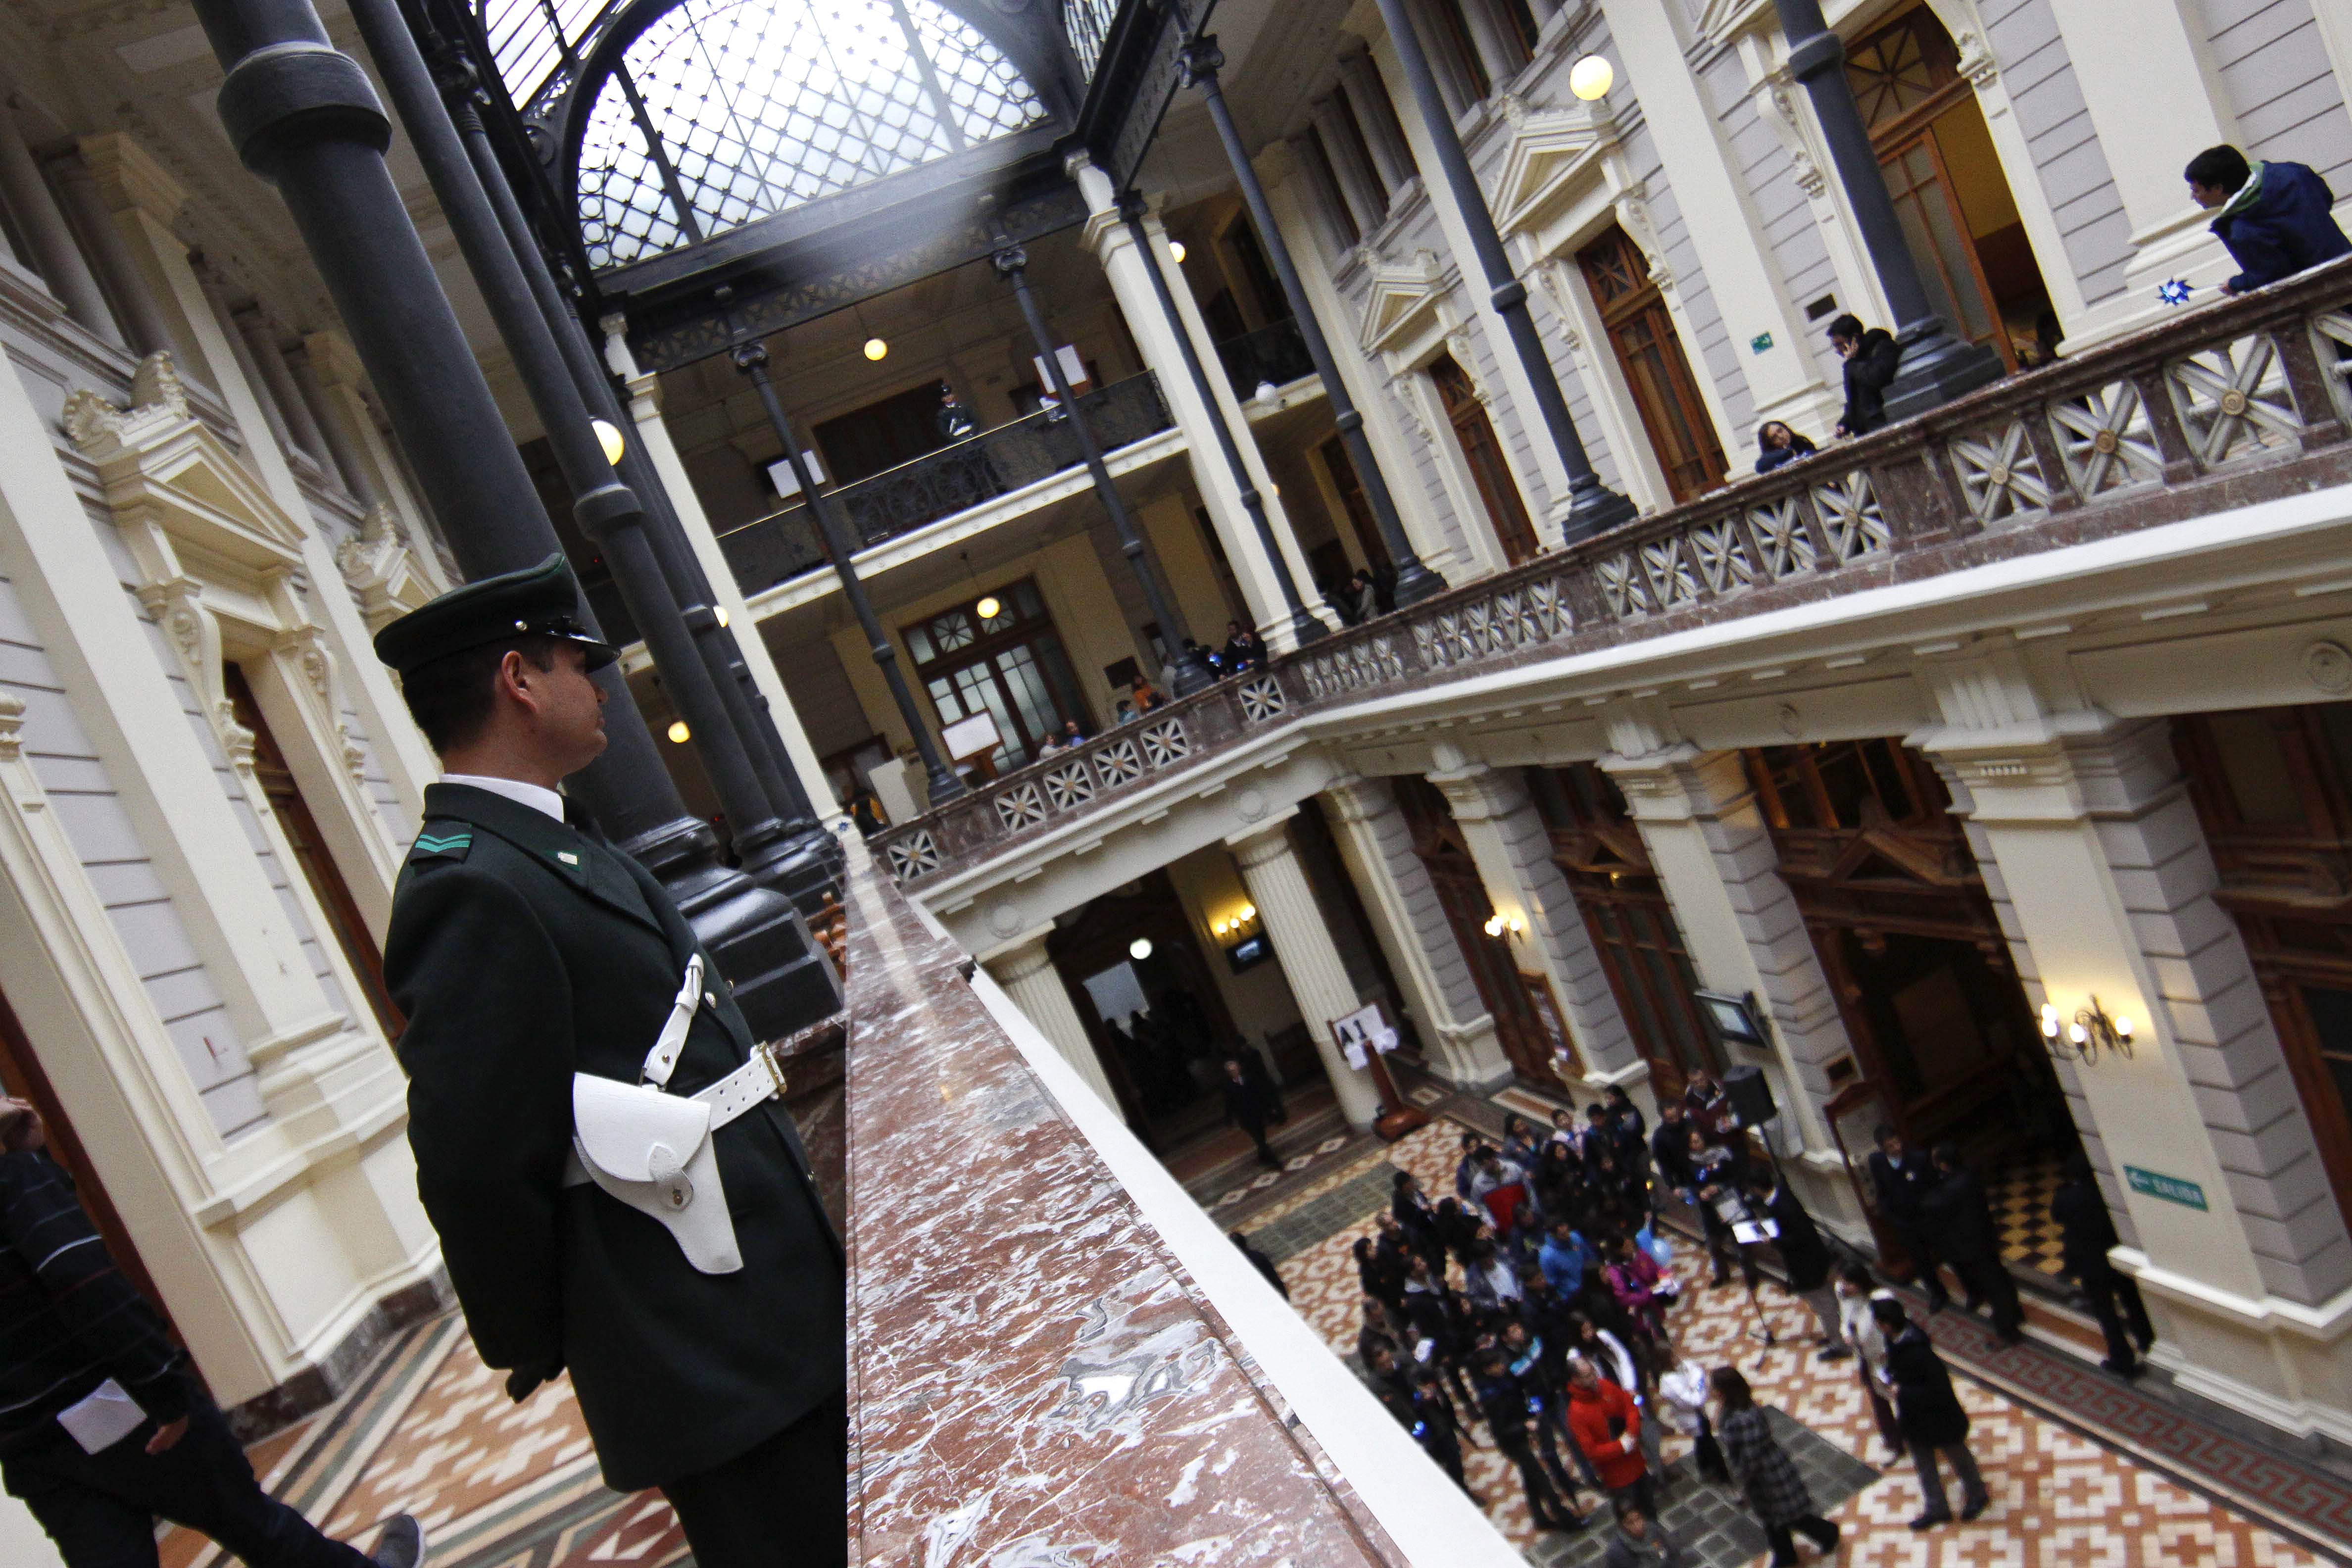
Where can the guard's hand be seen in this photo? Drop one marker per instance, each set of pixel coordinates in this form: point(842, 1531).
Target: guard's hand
point(167, 1437)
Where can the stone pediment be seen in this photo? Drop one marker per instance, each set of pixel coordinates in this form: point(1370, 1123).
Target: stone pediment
point(174, 486)
point(1404, 302)
point(1554, 157)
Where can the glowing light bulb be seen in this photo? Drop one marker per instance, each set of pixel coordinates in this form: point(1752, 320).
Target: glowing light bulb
point(2076, 1033)
point(2049, 1021)
point(875, 348)
point(611, 439)
point(1591, 78)
point(988, 607)
point(1249, 913)
point(2123, 1028)
point(1493, 925)
point(1139, 949)
point(721, 613)
point(1176, 250)
point(678, 733)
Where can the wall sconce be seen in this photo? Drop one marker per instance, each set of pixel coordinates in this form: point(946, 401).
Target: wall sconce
point(2091, 1032)
point(1498, 925)
point(1235, 924)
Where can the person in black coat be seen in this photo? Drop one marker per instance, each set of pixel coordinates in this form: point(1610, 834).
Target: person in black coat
point(1437, 1428)
point(2277, 219)
point(1930, 1414)
point(536, 966)
point(1961, 1220)
point(1777, 443)
point(1246, 1107)
point(1803, 1254)
point(2087, 1232)
point(1871, 359)
point(1416, 1217)
point(1243, 651)
point(1261, 1263)
point(1902, 1177)
point(1511, 1421)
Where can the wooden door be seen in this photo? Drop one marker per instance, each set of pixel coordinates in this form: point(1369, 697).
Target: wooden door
point(1499, 493)
point(1334, 453)
point(344, 922)
point(1437, 840)
point(1641, 335)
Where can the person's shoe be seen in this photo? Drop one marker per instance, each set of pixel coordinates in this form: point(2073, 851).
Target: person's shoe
point(1968, 1513)
point(2120, 1368)
point(402, 1544)
point(1717, 1284)
point(1930, 1520)
point(1834, 1353)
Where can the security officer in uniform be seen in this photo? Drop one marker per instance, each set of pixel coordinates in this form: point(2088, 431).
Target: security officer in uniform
point(524, 951)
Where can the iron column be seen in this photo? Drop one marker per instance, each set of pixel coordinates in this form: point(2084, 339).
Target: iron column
point(1592, 506)
point(1415, 581)
point(1936, 366)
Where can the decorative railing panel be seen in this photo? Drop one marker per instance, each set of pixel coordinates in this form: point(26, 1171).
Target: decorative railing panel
point(940, 484)
point(2236, 403)
point(1274, 355)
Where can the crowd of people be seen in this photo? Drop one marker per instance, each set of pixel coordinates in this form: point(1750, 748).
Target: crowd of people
point(1531, 1310)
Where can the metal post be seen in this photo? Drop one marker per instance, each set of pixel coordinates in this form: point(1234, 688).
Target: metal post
point(840, 549)
point(1592, 506)
point(1936, 366)
point(303, 116)
point(1228, 447)
point(801, 860)
point(1415, 580)
point(1192, 672)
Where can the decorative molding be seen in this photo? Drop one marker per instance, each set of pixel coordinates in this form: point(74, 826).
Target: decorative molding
point(1776, 105)
point(1553, 158)
point(12, 727)
point(381, 570)
point(1402, 302)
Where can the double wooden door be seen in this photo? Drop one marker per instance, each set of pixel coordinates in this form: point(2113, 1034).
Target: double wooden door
point(1525, 1032)
point(1656, 370)
point(1490, 472)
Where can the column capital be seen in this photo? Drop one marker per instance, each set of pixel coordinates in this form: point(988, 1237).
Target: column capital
point(1022, 957)
point(1476, 791)
point(335, 359)
point(128, 177)
point(1355, 798)
point(1262, 842)
point(2064, 768)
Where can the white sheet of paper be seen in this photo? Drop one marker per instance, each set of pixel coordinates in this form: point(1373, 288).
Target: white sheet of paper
point(1354, 1052)
point(102, 1420)
point(1752, 1232)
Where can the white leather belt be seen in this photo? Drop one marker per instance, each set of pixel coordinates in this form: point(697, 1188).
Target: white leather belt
point(731, 1098)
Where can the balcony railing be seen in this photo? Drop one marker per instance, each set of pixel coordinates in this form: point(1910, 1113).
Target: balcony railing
point(2240, 402)
point(940, 484)
point(1274, 355)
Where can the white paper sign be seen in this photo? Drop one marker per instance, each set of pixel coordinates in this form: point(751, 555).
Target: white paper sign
point(973, 737)
point(779, 474)
point(1363, 1032)
point(1073, 370)
point(1354, 1052)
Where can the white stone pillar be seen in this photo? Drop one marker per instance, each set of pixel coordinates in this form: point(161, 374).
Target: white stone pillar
point(1155, 337)
point(1441, 997)
point(1375, 116)
point(302, 432)
point(1713, 853)
point(1027, 974)
point(135, 291)
point(645, 414)
point(1358, 185)
point(1507, 838)
point(1299, 929)
point(57, 254)
point(2105, 874)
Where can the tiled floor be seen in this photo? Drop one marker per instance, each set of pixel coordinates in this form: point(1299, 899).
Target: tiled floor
point(2018, 1193)
point(2060, 1500)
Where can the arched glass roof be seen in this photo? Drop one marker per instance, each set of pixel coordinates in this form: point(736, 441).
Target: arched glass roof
point(763, 105)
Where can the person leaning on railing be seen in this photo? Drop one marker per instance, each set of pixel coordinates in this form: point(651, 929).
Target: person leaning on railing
point(1871, 359)
point(2275, 217)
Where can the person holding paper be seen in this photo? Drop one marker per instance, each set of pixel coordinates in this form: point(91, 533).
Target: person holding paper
point(103, 1429)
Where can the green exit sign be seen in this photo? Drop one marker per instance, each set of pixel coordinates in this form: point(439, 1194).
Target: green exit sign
point(2171, 1189)
point(1761, 342)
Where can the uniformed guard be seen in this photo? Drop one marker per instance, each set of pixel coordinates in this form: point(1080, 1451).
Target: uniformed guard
point(600, 1142)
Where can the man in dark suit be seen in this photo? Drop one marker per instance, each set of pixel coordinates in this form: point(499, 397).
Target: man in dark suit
point(1902, 1176)
point(1803, 1253)
point(525, 952)
point(1246, 1107)
point(2087, 1232)
point(1961, 1220)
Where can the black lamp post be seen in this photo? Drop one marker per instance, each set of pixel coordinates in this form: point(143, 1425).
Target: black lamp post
point(304, 117)
point(1192, 672)
point(1592, 506)
point(1936, 366)
point(1415, 581)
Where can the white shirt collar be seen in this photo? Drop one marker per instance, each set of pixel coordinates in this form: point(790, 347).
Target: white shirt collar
point(539, 797)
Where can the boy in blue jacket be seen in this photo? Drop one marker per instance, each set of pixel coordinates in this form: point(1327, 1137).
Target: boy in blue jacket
point(2274, 217)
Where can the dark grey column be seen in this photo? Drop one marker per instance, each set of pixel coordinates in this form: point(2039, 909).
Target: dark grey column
point(1415, 581)
point(1192, 672)
point(1936, 366)
point(134, 303)
point(941, 781)
point(1305, 627)
point(325, 422)
point(803, 860)
point(1592, 506)
point(303, 116)
point(56, 254)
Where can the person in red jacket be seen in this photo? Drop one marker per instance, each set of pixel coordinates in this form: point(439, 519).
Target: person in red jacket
point(1607, 1426)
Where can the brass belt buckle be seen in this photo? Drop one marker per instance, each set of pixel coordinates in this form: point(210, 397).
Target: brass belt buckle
point(776, 1073)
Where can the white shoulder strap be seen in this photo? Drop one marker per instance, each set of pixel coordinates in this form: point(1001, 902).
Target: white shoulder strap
point(662, 1060)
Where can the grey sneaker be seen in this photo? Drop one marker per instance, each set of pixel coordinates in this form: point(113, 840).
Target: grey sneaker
point(402, 1544)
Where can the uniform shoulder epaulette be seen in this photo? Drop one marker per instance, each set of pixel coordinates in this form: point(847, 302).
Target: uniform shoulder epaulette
point(442, 841)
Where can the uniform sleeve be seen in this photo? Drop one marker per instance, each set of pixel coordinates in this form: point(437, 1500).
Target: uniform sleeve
point(490, 1063)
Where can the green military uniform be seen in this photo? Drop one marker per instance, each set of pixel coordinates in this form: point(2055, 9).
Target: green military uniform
point(523, 951)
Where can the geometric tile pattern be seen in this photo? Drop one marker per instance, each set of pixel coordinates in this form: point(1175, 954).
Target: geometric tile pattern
point(2018, 1194)
point(2060, 1500)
